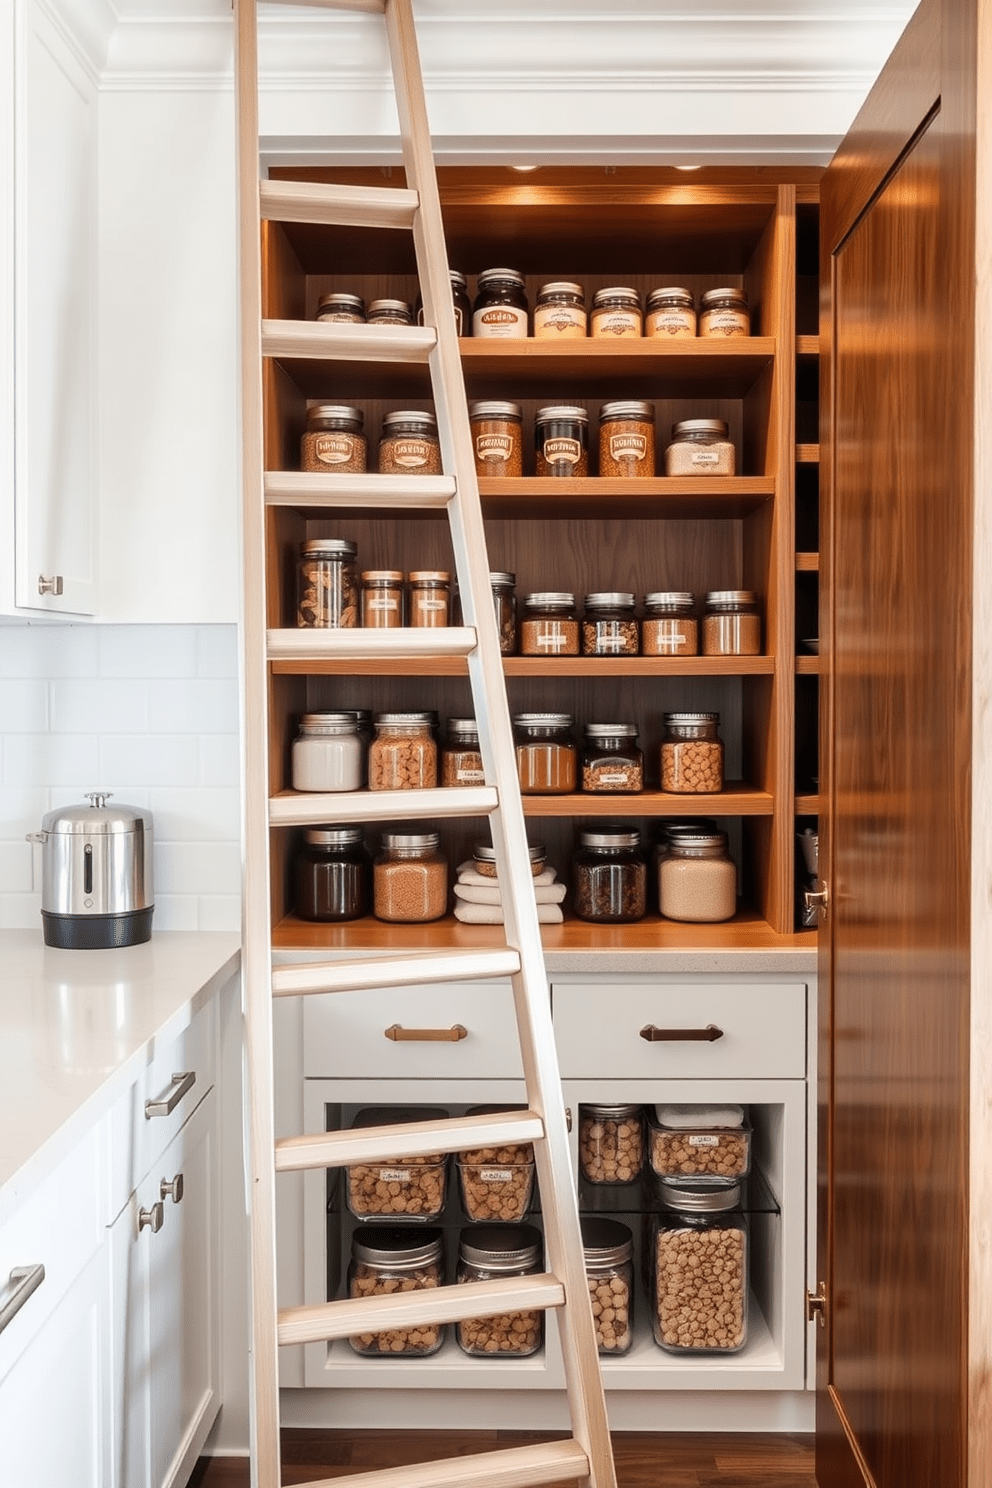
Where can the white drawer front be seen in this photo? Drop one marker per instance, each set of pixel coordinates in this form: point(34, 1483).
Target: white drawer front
point(600, 1031)
point(345, 1035)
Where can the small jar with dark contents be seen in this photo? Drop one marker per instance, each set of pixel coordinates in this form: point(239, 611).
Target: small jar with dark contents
point(671, 314)
point(504, 587)
point(389, 312)
point(461, 304)
point(347, 308)
point(409, 444)
point(610, 875)
point(610, 627)
point(616, 314)
point(561, 437)
point(332, 875)
point(500, 308)
point(497, 439)
point(560, 313)
point(333, 442)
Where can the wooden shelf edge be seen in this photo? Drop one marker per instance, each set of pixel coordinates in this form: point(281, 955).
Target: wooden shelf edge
point(737, 799)
point(533, 666)
point(807, 346)
point(807, 666)
point(759, 349)
point(807, 563)
point(807, 454)
point(807, 805)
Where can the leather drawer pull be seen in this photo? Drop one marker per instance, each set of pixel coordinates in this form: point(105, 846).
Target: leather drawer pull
point(401, 1035)
point(707, 1035)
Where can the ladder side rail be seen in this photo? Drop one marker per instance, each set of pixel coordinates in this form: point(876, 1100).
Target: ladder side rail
point(256, 949)
point(558, 1194)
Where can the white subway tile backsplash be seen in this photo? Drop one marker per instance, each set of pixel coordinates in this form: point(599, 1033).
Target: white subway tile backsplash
point(175, 912)
point(45, 651)
point(23, 705)
point(217, 651)
point(21, 810)
point(197, 867)
point(196, 815)
point(49, 759)
point(148, 651)
point(202, 706)
point(20, 912)
point(220, 760)
point(99, 705)
point(220, 912)
point(150, 759)
point(15, 867)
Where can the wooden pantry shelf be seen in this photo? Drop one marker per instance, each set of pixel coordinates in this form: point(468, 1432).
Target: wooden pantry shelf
point(675, 497)
point(646, 368)
point(808, 805)
point(736, 799)
point(807, 563)
point(807, 666)
point(807, 347)
point(807, 454)
point(528, 666)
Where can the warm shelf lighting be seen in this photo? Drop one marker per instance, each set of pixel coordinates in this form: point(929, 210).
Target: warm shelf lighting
point(688, 167)
point(525, 167)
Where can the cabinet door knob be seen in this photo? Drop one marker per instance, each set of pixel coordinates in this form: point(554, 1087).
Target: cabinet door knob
point(23, 1280)
point(151, 1219)
point(173, 1190)
point(707, 1035)
point(50, 586)
point(169, 1100)
point(401, 1035)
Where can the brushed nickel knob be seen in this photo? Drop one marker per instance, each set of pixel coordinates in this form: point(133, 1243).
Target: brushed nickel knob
point(50, 586)
point(151, 1219)
point(173, 1190)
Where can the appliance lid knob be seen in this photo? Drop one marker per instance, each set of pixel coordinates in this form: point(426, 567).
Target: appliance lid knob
point(98, 799)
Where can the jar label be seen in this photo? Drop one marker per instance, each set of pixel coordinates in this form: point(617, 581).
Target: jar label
point(610, 636)
point(671, 323)
point(704, 1141)
point(495, 447)
point(568, 450)
point(616, 323)
point(554, 319)
point(346, 317)
point(628, 447)
point(500, 320)
point(394, 1175)
point(552, 640)
point(430, 604)
point(333, 449)
point(378, 602)
point(612, 777)
point(705, 457)
point(495, 1175)
point(667, 633)
point(727, 323)
point(411, 452)
point(471, 777)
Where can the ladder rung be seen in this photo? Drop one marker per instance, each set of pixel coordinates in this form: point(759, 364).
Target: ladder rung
point(513, 1467)
point(373, 7)
point(377, 1144)
point(301, 809)
point(306, 488)
point(350, 206)
point(393, 971)
point(335, 341)
point(448, 1304)
point(358, 644)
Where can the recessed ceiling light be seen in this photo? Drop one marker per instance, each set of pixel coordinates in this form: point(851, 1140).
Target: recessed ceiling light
point(524, 167)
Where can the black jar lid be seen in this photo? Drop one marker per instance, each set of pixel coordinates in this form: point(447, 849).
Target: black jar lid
point(500, 1247)
point(395, 1245)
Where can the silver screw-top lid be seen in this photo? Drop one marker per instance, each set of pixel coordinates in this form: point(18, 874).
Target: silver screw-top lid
point(329, 547)
point(542, 720)
point(495, 411)
point(605, 1242)
point(394, 1245)
point(458, 280)
point(501, 1247)
point(411, 840)
point(389, 307)
point(484, 852)
point(400, 718)
point(338, 301)
point(730, 296)
point(561, 413)
point(611, 1112)
point(663, 599)
point(616, 293)
point(640, 412)
point(672, 295)
point(339, 412)
point(609, 600)
point(96, 819)
point(689, 844)
point(561, 287)
point(689, 718)
point(611, 834)
point(495, 276)
point(548, 597)
point(725, 598)
point(334, 836)
point(328, 723)
point(611, 731)
point(685, 427)
point(416, 417)
point(464, 726)
point(691, 1198)
point(506, 580)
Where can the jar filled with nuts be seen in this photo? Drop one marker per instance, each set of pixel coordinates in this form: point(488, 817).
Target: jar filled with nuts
point(561, 440)
point(706, 1142)
point(327, 754)
point(697, 879)
point(409, 444)
point(731, 623)
point(701, 447)
point(611, 761)
point(410, 878)
point(332, 875)
point(484, 859)
point(616, 312)
point(461, 760)
point(691, 754)
point(700, 1269)
point(401, 1188)
point(403, 754)
point(611, 1143)
point(608, 1249)
point(486, 1252)
point(723, 313)
point(387, 1260)
point(347, 308)
point(327, 584)
point(382, 598)
point(430, 597)
point(497, 439)
point(610, 626)
point(626, 440)
point(497, 1183)
point(671, 313)
point(610, 875)
point(333, 442)
point(669, 627)
point(504, 587)
point(546, 755)
point(560, 313)
point(550, 626)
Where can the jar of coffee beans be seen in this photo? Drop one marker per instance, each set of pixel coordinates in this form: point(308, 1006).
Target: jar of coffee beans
point(561, 441)
point(610, 626)
point(731, 623)
point(486, 1252)
point(608, 1249)
point(669, 627)
point(410, 878)
point(610, 875)
point(611, 1143)
point(691, 754)
point(332, 875)
point(700, 1269)
point(333, 442)
point(461, 304)
point(409, 444)
point(500, 308)
point(387, 1260)
point(327, 584)
point(611, 762)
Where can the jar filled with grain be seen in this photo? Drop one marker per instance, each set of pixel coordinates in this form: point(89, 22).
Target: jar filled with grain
point(669, 626)
point(560, 313)
point(327, 584)
point(461, 760)
point(610, 626)
point(616, 313)
point(410, 878)
point(546, 756)
point(700, 1270)
point(724, 313)
point(701, 447)
point(487, 1252)
point(626, 440)
point(461, 304)
point(430, 597)
point(403, 754)
point(387, 1260)
point(327, 754)
point(400, 1189)
point(550, 626)
point(504, 587)
point(691, 753)
point(497, 1182)
point(484, 859)
point(349, 309)
point(561, 441)
point(608, 1250)
point(382, 598)
point(611, 1143)
point(332, 875)
point(697, 879)
point(610, 761)
point(610, 875)
point(671, 314)
point(500, 308)
point(409, 444)
point(333, 442)
point(389, 312)
point(497, 439)
point(731, 623)
point(708, 1143)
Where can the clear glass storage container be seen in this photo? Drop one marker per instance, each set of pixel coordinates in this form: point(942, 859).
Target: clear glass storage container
point(669, 626)
point(609, 875)
point(497, 439)
point(709, 1143)
point(731, 623)
point(616, 313)
point(697, 879)
point(626, 440)
point(382, 598)
point(608, 1250)
point(486, 1252)
point(461, 304)
point(560, 313)
point(611, 1143)
point(401, 1189)
point(332, 875)
point(700, 1231)
point(328, 753)
point(484, 859)
point(430, 598)
point(691, 754)
point(389, 312)
point(500, 308)
point(497, 1183)
point(671, 314)
point(408, 444)
point(386, 1260)
point(609, 627)
point(403, 754)
point(546, 755)
point(410, 878)
point(561, 441)
point(723, 313)
point(701, 447)
point(550, 625)
point(327, 584)
point(504, 587)
point(333, 442)
point(347, 308)
point(611, 762)
point(461, 760)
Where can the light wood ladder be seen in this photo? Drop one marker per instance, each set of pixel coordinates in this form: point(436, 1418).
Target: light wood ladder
point(586, 1457)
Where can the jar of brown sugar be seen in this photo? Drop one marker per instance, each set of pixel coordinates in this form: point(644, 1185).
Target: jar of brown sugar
point(382, 598)
point(697, 879)
point(430, 597)
point(546, 755)
point(332, 875)
point(461, 758)
point(724, 313)
point(497, 439)
point(616, 312)
point(561, 440)
point(403, 754)
point(347, 308)
point(610, 875)
point(700, 447)
point(611, 762)
point(671, 314)
point(731, 623)
point(389, 312)
point(669, 627)
point(409, 444)
point(550, 626)
point(410, 878)
point(626, 439)
point(560, 313)
point(610, 627)
point(333, 442)
point(691, 754)
point(500, 305)
point(327, 584)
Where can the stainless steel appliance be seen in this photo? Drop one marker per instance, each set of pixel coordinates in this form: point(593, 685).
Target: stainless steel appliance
point(97, 889)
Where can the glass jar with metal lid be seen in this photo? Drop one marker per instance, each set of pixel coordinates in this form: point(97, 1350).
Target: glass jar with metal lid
point(611, 1143)
point(701, 447)
point(610, 875)
point(409, 444)
point(626, 440)
point(610, 626)
point(497, 439)
point(389, 312)
point(486, 1252)
point(400, 1189)
point(460, 301)
point(546, 755)
point(410, 878)
point(430, 597)
point(697, 878)
point(382, 598)
point(731, 623)
point(348, 308)
point(403, 754)
point(333, 442)
point(561, 441)
point(504, 588)
point(386, 1259)
point(484, 859)
point(500, 308)
point(327, 753)
point(724, 313)
point(560, 313)
point(691, 753)
point(671, 313)
point(608, 1251)
point(332, 875)
point(611, 761)
point(461, 759)
point(669, 626)
point(699, 1269)
point(616, 312)
point(550, 626)
point(497, 1182)
point(327, 584)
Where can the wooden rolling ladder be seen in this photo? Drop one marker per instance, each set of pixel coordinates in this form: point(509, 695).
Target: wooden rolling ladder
point(586, 1457)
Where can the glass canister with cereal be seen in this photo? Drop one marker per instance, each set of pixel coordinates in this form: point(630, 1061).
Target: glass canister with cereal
point(386, 1260)
point(497, 1181)
point(611, 1143)
point(327, 584)
point(608, 1249)
point(486, 1252)
point(691, 754)
point(700, 1269)
point(706, 1142)
point(399, 1189)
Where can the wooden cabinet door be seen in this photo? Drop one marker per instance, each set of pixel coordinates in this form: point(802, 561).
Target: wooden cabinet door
point(895, 844)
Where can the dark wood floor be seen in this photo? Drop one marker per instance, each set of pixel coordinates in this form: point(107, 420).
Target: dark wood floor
point(644, 1459)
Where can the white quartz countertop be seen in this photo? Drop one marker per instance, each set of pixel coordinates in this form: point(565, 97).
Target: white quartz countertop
point(73, 1028)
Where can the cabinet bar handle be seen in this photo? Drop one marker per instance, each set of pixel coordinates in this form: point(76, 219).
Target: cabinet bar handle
point(169, 1100)
point(707, 1035)
point(23, 1281)
point(401, 1035)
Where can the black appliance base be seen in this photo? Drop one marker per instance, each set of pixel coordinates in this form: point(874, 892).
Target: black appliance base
point(97, 932)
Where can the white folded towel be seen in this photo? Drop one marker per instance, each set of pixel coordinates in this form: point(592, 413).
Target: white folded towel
point(492, 914)
point(467, 874)
point(488, 893)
